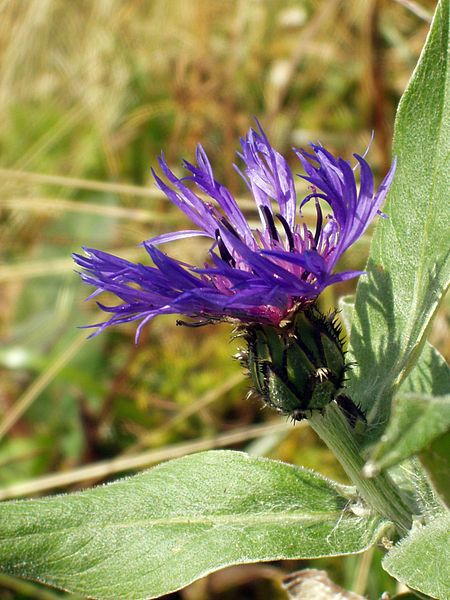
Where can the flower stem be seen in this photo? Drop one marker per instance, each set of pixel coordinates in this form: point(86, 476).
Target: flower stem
point(380, 492)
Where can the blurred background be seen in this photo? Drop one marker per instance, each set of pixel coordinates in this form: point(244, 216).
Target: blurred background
point(90, 93)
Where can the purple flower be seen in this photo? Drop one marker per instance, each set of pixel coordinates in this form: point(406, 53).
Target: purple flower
point(253, 276)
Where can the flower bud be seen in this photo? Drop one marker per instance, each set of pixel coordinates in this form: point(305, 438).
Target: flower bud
point(299, 367)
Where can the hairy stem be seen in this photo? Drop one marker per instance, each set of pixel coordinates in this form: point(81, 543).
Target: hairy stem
point(380, 492)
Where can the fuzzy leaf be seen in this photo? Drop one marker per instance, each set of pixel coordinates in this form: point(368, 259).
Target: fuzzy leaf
point(422, 560)
point(346, 307)
point(408, 268)
point(154, 533)
point(430, 375)
point(416, 421)
point(436, 460)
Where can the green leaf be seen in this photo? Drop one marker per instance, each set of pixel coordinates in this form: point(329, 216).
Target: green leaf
point(405, 596)
point(408, 269)
point(436, 460)
point(156, 532)
point(416, 421)
point(422, 560)
point(347, 306)
point(430, 375)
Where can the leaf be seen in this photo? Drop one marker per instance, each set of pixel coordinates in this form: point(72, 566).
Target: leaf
point(346, 307)
point(405, 596)
point(422, 560)
point(154, 533)
point(430, 375)
point(436, 460)
point(408, 269)
point(416, 421)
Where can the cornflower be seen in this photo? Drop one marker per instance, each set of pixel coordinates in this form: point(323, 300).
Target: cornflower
point(261, 276)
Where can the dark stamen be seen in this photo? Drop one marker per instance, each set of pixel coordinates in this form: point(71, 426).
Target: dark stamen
point(230, 227)
point(268, 217)
point(195, 323)
point(224, 252)
point(288, 232)
point(319, 224)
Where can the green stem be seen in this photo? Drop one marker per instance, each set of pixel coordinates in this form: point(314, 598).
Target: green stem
point(380, 492)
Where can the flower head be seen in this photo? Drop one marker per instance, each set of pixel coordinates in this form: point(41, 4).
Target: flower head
point(253, 276)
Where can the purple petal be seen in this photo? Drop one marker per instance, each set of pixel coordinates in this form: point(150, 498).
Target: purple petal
point(259, 276)
point(175, 235)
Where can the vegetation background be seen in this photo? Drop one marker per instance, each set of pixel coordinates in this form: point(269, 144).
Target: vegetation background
point(90, 92)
